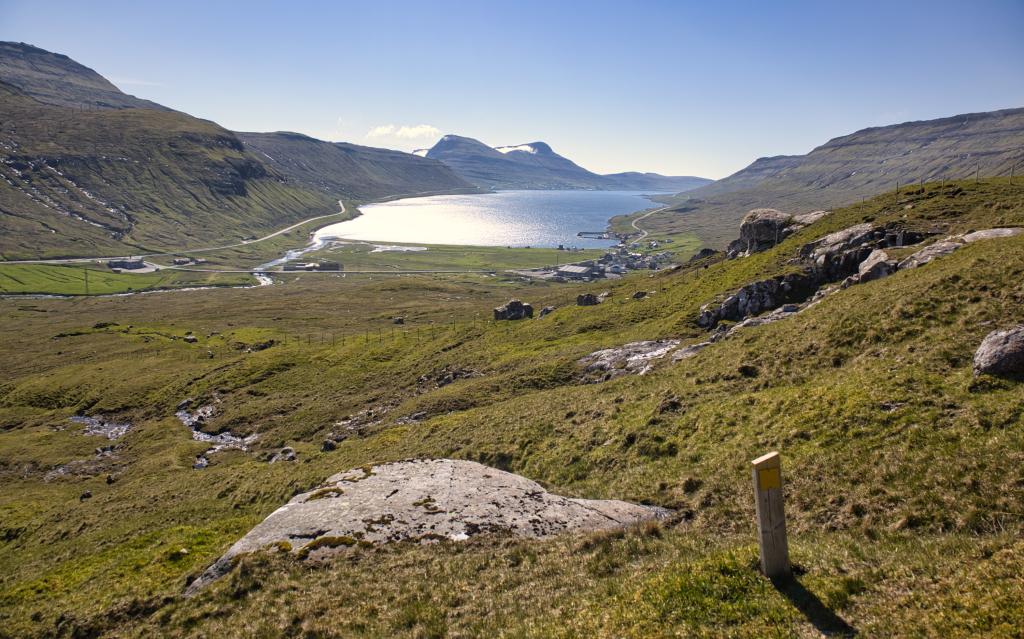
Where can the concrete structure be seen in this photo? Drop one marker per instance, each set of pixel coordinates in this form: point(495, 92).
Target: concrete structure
point(129, 264)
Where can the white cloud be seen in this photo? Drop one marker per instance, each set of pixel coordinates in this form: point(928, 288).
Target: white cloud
point(405, 132)
point(381, 131)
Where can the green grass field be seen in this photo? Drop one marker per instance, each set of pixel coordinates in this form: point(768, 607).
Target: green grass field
point(362, 256)
point(904, 471)
point(71, 280)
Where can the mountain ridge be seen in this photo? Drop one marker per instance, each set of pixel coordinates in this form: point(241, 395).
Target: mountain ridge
point(848, 168)
point(536, 166)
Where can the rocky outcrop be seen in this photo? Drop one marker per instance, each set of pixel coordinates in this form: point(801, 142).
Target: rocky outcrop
point(877, 265)
point(759, 297)
point(635, 358)
point(930, 252)
point(587, 299)
point(953, 243)
point(838, 254)
point(421, 501)
point(992, 234)
point(806, 219)
point(513, 310)
point(760, 230)
point(703, 254)
point(1001, 353)
point(547, 310)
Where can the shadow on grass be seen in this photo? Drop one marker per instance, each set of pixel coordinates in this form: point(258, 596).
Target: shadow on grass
point(827, 622)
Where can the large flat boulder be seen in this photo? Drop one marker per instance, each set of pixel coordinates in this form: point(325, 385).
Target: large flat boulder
point(992, 234)
point(636, 358)
point(422, 501)
point(1001, 353)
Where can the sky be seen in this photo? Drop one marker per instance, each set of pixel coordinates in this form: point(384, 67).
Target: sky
point(679, 88)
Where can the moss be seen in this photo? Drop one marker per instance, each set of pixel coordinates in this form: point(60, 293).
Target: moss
point(326, 541)
point(324, 493)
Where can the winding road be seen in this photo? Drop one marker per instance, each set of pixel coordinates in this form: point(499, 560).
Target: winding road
point(643, 232)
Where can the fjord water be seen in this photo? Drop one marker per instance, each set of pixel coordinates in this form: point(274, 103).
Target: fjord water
point(505, 218)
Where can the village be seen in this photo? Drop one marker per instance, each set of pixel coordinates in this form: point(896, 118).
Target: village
point(622, 258)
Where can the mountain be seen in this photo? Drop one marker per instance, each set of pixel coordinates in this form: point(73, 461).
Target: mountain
point(57, 80)
point(536, 166)
point(635, 181)
point(349, 170)
point(849, 168)
point(88, 170)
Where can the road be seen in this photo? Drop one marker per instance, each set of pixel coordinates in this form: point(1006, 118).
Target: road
point(643, 232)
point(73, 260)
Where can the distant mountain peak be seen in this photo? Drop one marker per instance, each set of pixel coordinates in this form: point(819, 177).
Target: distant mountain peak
point(535, 165)
point(522, 148)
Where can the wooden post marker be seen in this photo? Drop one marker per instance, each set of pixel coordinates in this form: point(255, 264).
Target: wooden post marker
point(771, 518)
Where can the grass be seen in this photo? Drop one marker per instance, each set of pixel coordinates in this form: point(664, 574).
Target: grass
point(361, 256)
point(903, 470)
point(71, 280)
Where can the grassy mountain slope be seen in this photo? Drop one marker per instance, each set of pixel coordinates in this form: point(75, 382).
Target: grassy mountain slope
point(57, 80)
point(904, 471)
point(88, 182)
point(87, 170)
point(351, 171)
point(850, 168)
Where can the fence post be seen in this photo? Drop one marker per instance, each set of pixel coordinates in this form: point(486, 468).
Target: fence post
point(771, 517)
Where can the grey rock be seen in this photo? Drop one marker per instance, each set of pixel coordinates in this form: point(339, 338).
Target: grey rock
point(328, 445)
point(286, 454)
point(759, 297)
point(1001, 353)
point(877, 265)
point(806, 219)
point(991, 234)
point(191, 339)
point(837, 255)
point(760, 230)
point(547, 310)
point(931, 252)
point(639, 295)
point(101, 427)
point(635, 358)
point(513, 310)
point(422, 501)
point(689, 351)
point(703, 254)
point(587, 299)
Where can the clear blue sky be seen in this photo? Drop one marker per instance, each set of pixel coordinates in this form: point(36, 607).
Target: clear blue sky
point(674, 87)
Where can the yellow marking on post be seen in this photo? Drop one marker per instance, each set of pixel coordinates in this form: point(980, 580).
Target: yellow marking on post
point(769, 478)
